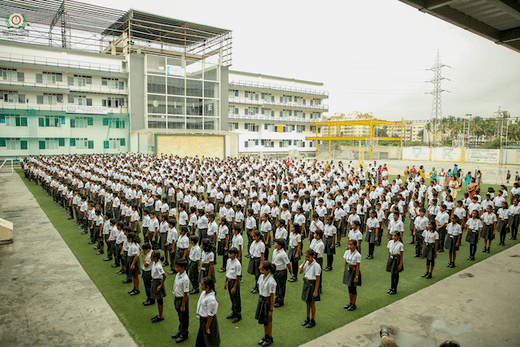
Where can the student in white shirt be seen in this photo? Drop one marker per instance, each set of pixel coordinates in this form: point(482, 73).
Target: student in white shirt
point(238, 241)
point(473, 233)
point(351, 273)
point(311, 271)
point(514, 210)
point(295, 252)
point(147, 273)
point(207, 308)
point(430, 245)
point(257, 257)
point(223, 242)
point(250, 227)
point(504, 222)
point(371, 233)
point(181, 287)
point(207, 261)
point(282, 263)
point(420, 225)
point(394, 264)
point(453, 239)
point(157, 290)
point(232, 284)
point(194, 258)
point(329, 234)
point(133, 263)
point(489, 225)
point(264, 309)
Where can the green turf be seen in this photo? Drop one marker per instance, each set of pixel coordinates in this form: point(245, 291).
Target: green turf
point(287, 330)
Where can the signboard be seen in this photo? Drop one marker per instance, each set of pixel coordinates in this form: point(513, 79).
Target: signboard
point(174, 70)
point(86, 109)
point(15, 23)
point(483, 155)
point(416, 153)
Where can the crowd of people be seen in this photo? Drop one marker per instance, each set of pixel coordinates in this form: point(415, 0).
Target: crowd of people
point(146, 213)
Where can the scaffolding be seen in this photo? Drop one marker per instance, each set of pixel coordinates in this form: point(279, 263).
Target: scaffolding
point(370, 139)
point(80, 26)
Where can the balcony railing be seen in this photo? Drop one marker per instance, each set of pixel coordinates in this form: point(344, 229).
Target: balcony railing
point(273, 118)
point(65, 107)
point(88, 88)
point(29, 59)
point(275, 103)
point(279, 88)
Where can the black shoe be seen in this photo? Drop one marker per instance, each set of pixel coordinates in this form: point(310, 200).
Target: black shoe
point(115, 265)
point(426, 274)
point(488, 250)
point(83, 232)
point(484, 250)
point(176, 336)
point(268, 341)
point(346, 307)
point(135, 292)
point(277, 304)
point(352, 307)
point(221, 270)
point(311, 324)
point(100, 252)
point(261, 342)
point(157, 319)
point(411, 243)
point(292, 279)
point(393, 292)
point(73, 218)
point(367, 257)
point(91, 242)
point(231, 316)
point(182, 338)
point(127, 280)
point(429, 275)
point(254, 290)
point(370, 257)
point(107, 259)
point(441, 250)
point(95, 248)
point(149, 302)
point(194, 291)
point(236, 319)
point(248, 256)
point(131, 291)
point(389, 290)
point(76, 224)
point(449, 264)
point(328, 268)
point(305, 322)
point(120, 272)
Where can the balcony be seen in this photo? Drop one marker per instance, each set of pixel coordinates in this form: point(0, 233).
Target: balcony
point(28, 59)
point(64, 107)
point(275, 87)
point(61, 87)
point(273, 119)
point(237, 100)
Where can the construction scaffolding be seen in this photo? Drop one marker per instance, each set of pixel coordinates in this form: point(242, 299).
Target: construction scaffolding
point(80, 26)
point(370, 139)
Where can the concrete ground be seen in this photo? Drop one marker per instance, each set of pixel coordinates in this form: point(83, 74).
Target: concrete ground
point(47, 299)
point(479, 306)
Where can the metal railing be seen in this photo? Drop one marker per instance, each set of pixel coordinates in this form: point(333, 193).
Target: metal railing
point(55, 107)
point(29, 59)
point(12, 165)
point(274, 103)
point(272, 118)
point(88, 88)
point(279, 88)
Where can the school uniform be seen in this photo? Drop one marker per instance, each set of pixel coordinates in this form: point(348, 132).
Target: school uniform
point(280, 261)
point(207, 306)
point(454, 230)
point(299, 222)
point(234, 274)
point(266, 286)
point(120, 242)
point(181, 287)
point(515, 219)
point(294, 255)
point(441, 219)
point(162, 235)
point(257, 248)
point(133, 250)
point(157, 274)
point(238, 243)
point(488, 220)
point(183, 242)
point(223, 232)
point(420, 224)
point(328, 235)
point(310, 274)
point(474, 226)
point(349, 274)
point(319, 247)
point(147, 275)
point(153, 228)
point(428, 251)
point(212, 230)
point(250, 224)
point(392, 265)
point(194, 257)
point(205, 262)
point(171, 239)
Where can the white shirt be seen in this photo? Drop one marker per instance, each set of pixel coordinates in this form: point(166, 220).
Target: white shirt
point(233, 269)
point(489, 218)
point(474, 224)
point(294, 239)
point(148, 260)
point(257, 247)
point(207, 305)
point(157, 270)
point(195, 253)
point(266, 285)
point(280, 259)
point(329, 230)
point(317, 246)
point(454, 229)
point(352, 258)
point(181, 285)
point(395, 247)
point(421, 223)
point(310, 272)
point(238, 241)
point(183, 242)
point(429, 236)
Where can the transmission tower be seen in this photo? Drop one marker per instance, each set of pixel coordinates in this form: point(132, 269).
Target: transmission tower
point(436, 115)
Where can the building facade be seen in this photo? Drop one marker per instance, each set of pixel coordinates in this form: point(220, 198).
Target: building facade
point(272, 115)
point(61, 101)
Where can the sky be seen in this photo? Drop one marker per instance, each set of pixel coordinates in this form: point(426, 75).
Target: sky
point(371, 55)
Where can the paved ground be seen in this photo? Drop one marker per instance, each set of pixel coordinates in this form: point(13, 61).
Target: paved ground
point(46, 297)
point(476, 307)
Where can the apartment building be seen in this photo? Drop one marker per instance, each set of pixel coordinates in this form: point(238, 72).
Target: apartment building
point(272, 115)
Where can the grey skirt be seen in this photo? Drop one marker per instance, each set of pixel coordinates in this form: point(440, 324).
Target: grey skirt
point(204, 271)
point(349, 275)
point(392, 264)
point(328, 245)
point(292, 254)
point(262, 311)
point(451, 244)
point(252, 268)
point(487, 232)
point(308, 292)
point(371, 236)
point(472, 237)
point(154, 293)
point(428, 252)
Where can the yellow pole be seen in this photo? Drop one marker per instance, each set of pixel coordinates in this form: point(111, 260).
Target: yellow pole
point(329, 137)
point(316, 139)
point(370, 155)
point(402, 132)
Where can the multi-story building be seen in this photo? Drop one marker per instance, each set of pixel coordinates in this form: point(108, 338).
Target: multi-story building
point(61, 101)
point(272, 114)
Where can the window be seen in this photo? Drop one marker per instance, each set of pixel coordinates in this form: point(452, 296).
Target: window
point(113, 102)
point(176, 86)
point(13, 120)
point(156, 84)
point(286, 113)
point(233, 126)
point(268, 112)
point(80, 143)
point(299, 143)
point(288, 128)
point(79, 80)
point(42, 144)
point(49, 77)
point(13, 143)
point(11, 75)
point(251, 127)
point(316, 102)
point(12, 97)
point(194, 107)
point(193, 88)
point(116, 123)
point(81, 122)
point(285, 99)
point(299, 114)
point(23, 144)
point(72, 142)
point(49, 99)
point(251, 110)
point(251, 143)
point(233, 93)
point(267, 143)
point(312, 144)
point(79, 100)
point(299, 100)
point(267, 97)
point(90, 144)
point(112, 83)
point(51, 121)
point(300, 128)
point(113, 143)
point(251, 95)
point(232, 110)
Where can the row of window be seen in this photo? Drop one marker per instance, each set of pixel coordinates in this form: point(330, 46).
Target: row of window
point(281, 143)
point(52, 99)
point(268, 97)
point(58, 121)
point(54, 143)
point(161, 104)
point(181, 86)
point(268, 112)
point(47, 77)
point(270, 127)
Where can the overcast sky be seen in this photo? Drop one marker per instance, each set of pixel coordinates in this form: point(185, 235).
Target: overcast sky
point(371, 55)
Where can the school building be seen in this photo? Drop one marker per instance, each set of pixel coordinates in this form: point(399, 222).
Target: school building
point(139, 82)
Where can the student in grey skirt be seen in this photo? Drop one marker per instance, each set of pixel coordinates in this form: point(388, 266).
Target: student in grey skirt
point(157, 290)
point(352, 274)
point(473, 233)
point(133, 264)
point(453, 239)
point(264, 309)
point(207, 261)
point(311, 271)
point(430, 245)
point(489, 221)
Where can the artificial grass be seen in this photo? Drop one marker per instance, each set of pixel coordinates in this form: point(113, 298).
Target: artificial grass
point(287, 329)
